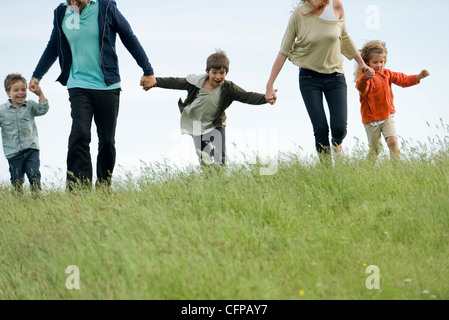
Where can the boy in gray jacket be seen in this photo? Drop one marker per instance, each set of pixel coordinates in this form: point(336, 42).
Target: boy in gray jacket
point(203, 112)
point(19, 131)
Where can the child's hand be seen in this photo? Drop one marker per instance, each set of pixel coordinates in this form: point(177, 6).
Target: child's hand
point(423, 74)
point(271, 97)
point(35, 87)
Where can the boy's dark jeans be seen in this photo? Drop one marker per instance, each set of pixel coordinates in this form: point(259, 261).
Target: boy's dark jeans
point(103, 107)
point(313, 85)
point(28, 162)
point(211, 147)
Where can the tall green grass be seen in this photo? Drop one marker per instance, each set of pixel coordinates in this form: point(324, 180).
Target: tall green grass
point(307, 232)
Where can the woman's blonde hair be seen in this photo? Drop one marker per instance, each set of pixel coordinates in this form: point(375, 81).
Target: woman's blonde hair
point(370, 48)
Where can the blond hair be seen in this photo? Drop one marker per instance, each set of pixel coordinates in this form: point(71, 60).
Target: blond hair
point(370, 48)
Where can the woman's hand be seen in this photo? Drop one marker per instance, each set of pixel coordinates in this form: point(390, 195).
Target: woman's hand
point(148, 82)
point(270, 96)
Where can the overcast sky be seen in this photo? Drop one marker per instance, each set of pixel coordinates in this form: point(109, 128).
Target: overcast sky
point(178, 36)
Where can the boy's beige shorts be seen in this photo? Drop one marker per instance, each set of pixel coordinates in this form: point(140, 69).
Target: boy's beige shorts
point(387, 129)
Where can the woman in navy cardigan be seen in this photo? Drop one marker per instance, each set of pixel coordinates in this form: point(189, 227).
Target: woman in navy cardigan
point(83, 39)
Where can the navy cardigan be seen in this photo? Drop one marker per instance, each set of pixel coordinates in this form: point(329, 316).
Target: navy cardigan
point(111, 23)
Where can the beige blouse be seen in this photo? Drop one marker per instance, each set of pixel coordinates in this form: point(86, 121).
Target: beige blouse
point(317, 44)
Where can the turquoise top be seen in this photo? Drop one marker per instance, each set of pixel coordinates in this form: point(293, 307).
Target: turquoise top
point(83, 35)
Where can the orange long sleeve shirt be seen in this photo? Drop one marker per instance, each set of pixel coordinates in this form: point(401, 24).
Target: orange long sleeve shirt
point(376, 95)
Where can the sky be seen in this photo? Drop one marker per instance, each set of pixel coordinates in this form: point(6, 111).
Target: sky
point(178, 36)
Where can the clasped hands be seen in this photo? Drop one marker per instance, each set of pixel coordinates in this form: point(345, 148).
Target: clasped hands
point(270, 96)
point(35, 87)
point(148, 82)
point(369, 72)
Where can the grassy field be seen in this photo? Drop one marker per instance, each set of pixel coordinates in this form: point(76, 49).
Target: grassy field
point(307, 232)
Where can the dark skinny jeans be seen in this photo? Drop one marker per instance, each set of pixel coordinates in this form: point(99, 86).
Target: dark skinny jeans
point(27, 162)
point(103, 107)
point(313, 86)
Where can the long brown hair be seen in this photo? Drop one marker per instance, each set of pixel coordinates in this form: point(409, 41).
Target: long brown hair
point(370, 48)
point(320, 6)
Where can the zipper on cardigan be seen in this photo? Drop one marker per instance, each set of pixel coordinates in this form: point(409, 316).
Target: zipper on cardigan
point(102, 42)
point(60, 43)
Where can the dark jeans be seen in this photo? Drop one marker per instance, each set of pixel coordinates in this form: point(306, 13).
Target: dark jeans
point(103, 107)
point(211, 147)
point(28, 162)
point(313, 86)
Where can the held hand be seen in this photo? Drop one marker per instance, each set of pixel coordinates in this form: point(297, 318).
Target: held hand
point(270, 93)
point(35, 87)
point(423, 74)
point(271, 97)
point(369, 72)
point(148, 82)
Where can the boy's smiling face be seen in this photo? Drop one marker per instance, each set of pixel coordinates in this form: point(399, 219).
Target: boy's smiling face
point(216, 77)
point(18, 93)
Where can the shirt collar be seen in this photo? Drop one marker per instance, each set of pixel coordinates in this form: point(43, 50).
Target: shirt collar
point(66, 4)
point(9, 104)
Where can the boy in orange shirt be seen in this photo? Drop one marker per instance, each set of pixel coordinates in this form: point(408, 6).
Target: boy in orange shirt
point(376, 97)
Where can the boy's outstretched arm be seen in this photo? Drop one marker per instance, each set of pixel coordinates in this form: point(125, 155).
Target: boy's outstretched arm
point(41, 108)
point(37, 90)
point(254, 98)
point(173, 83)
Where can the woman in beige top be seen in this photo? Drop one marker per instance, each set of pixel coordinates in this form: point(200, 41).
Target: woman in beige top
point(316, 40)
